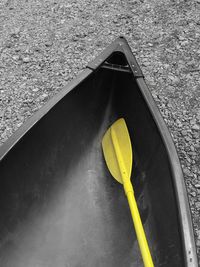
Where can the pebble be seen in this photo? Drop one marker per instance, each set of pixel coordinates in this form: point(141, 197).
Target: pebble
point(179, 123)
point(193, 194)
point(188, 159)
point(192, 148)
point(193, 121)
point(174, 79)
point(16, 57)
point(184, 132)
point(197, 185)
point(154, 95)
point(169, 105)
point(187, 172)
point(19, 124)
point(188, 139)
point(44, 96)
point(48, 43)
point(197, 204)
point(17, 49)
point(196, 135)
point(146, 63)
point(195, 127)
point(35, 89)
point(184, 42)
point(181, 38)
point(26, 59)
point(192, 153)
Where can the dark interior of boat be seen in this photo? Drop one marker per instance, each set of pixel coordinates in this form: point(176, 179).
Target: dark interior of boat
point(59, 205)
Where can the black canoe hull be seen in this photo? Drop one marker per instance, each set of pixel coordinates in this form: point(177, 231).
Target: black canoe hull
point(59, 205)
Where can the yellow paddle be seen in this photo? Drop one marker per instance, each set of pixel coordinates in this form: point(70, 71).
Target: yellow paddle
point(118, 156)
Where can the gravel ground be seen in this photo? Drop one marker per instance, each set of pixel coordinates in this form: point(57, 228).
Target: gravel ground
point(44, 44)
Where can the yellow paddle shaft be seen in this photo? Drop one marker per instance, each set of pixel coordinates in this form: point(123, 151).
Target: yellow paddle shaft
point(128, 188)
point(144, 248)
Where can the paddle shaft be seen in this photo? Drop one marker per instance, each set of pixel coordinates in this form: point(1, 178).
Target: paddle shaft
point(141, 237)
point(128, 188)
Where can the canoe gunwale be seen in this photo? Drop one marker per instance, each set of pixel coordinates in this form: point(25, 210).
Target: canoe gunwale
point(178, 179)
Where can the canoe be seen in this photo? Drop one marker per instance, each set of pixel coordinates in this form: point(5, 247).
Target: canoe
point(59, 204)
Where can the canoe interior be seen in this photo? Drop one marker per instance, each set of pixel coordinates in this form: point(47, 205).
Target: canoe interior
point(60, 206)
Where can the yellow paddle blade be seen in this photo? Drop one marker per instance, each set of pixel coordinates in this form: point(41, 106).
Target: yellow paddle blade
point(117, 145)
